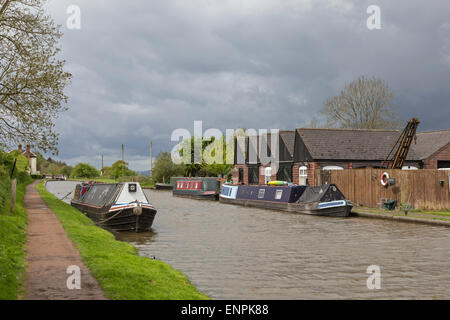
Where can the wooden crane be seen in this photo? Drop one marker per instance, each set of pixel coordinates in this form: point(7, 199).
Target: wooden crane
point(401, 147)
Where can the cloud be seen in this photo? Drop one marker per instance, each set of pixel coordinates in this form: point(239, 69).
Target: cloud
point(144, 68)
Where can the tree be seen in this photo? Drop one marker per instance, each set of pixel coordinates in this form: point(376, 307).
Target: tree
point(67, 171)
point(363, 104)
point(84, 170)
point(164, 168)
point(120, 168)
point(108, 172)
point(32, 79)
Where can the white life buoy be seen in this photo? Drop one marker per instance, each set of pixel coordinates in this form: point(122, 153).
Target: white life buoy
point(384, 179)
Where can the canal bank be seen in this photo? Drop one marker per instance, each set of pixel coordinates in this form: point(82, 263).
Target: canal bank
point(428, 218)
point(116, 265)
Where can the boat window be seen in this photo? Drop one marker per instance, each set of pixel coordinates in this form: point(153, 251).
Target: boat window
point(261, 193)
point(278, 194)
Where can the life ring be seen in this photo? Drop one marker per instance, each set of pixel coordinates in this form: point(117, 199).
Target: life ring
point(384, 179)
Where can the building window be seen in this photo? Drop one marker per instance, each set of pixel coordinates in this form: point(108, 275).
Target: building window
point(241, 175)
point(261, 193)
point(267, 174)
point(285, 172)
point(278, 194)
point(253, 174)
point(333, 168)
point(302, 175)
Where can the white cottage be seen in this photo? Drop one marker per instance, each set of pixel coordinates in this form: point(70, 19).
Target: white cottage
point(32, 159)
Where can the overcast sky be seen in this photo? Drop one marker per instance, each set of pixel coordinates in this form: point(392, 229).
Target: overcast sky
point(142, 68)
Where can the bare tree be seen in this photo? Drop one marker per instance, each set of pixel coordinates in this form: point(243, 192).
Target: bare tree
point(32, 79)
point(363, 104)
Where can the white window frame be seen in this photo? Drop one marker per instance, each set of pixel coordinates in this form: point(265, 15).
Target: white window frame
point(302, 174)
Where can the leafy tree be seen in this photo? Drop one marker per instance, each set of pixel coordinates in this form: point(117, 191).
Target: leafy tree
point(363, 104)
point(212, 164)
point(164, 168)
point(108, 172)
point(32, 79)
point(217, 164)
point(67, 171)
point(84, 170)
point(120, 168)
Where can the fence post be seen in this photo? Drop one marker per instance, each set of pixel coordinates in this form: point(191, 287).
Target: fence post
point(13, 194)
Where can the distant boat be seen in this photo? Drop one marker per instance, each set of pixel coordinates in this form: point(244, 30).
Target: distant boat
point(326, 200)
point(207, 188)
point(163, 186)
point(115, 206)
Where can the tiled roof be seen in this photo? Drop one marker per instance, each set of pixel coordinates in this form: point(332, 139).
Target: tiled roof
point(350, 144)
point(430, 142)
point(288, 138)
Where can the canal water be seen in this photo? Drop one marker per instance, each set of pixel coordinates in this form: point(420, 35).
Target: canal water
point(233, 252)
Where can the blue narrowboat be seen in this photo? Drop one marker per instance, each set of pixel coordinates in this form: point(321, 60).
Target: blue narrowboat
point(326, 200)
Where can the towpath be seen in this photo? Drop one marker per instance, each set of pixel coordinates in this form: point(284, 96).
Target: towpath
point(50, 253)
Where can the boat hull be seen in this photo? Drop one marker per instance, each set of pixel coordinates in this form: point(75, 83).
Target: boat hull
point(212, 196)
point(342, 210)
point(163, 186)
point(119, 220)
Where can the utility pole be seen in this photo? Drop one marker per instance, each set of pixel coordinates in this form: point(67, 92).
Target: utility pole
point(123, 160)
point(151, 159)
point(102, 165)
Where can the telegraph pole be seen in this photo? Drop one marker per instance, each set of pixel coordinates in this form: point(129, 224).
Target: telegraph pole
point(123, 160)
point(151, 159)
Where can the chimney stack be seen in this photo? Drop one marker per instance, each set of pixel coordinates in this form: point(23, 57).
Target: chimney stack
point(28, 152)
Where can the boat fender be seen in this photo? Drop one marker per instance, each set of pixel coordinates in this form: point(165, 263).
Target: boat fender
point(137, 210)
point(384, 179)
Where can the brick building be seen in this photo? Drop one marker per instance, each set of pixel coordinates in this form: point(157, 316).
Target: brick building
point(304, 151)
point(433, 149)
point(249, 158)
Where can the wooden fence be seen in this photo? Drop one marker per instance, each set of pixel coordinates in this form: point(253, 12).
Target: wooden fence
point(423, 189)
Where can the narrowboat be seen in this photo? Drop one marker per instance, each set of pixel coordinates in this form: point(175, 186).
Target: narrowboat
point(115, 206)
point(163, 186)
point(326, 200)
point(207, 188)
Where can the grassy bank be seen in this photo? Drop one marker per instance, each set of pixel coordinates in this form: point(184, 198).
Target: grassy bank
point(13, 229)
point(419, 214)
point(121, 272)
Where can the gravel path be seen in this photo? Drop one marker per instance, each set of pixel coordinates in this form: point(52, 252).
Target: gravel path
point(50, 253)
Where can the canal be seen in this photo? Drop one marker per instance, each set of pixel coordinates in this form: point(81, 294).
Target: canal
point(232, 252)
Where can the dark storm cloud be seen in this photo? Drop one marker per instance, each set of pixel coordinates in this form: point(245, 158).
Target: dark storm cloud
point(144, 68)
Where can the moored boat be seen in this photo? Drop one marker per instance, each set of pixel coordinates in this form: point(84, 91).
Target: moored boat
point(115, 206)
point(207, 188)
point(163, 186)
point(326, 200)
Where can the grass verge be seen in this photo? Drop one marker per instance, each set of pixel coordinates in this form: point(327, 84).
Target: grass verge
point(120, 271)
point(13, 229)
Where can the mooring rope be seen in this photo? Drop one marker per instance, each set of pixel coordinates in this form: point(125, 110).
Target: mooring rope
point(66, 195)
point(101, 222)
